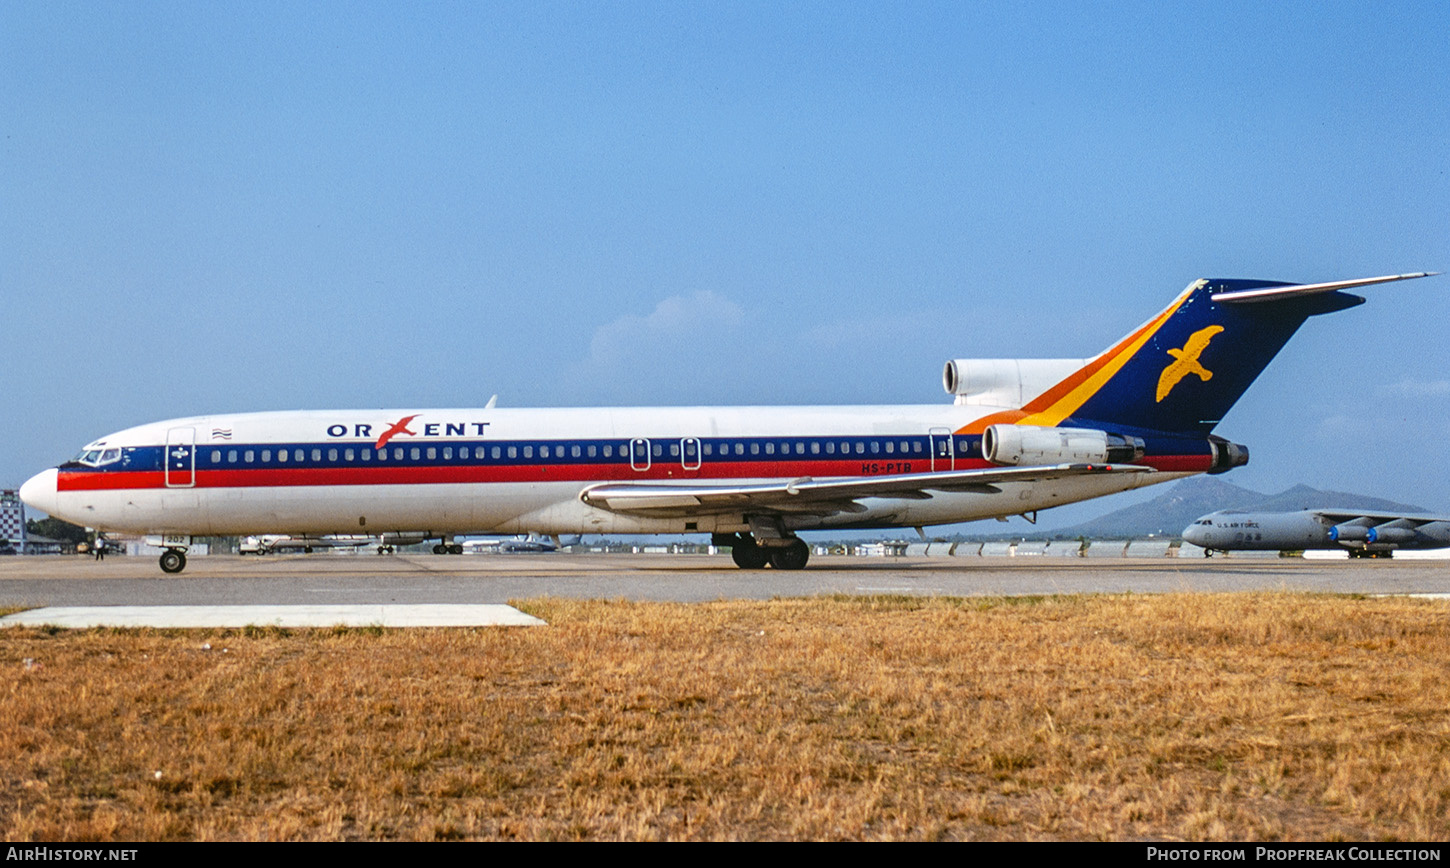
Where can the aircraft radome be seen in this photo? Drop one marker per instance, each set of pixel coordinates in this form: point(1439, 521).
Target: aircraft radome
point(1359, 532)
point(1022, 435)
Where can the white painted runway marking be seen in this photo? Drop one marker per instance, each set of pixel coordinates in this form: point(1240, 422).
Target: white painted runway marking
point(425, 615)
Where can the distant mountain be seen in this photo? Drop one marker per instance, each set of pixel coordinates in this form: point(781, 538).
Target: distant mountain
point(1169, 513)
point(1304, 497)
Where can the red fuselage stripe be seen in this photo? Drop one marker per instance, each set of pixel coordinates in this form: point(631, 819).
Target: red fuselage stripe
point(277, 477)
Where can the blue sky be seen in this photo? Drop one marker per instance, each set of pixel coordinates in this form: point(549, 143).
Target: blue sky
point(227, 207)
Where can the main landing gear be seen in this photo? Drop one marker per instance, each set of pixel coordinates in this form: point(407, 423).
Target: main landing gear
point(173, 560)
point(1366, 553)
point(790, 553)
point(447, 549)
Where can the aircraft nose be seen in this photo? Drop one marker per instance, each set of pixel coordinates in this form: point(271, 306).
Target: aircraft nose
point(1193, 535)
point(39, 491)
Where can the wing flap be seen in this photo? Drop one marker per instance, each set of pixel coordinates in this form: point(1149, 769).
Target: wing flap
point(821, 495)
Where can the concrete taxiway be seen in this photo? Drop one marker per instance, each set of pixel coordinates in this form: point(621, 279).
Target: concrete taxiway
point(371, 580)
point(455, 615)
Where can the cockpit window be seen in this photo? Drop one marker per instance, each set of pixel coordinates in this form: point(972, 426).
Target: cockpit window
point(98, 457)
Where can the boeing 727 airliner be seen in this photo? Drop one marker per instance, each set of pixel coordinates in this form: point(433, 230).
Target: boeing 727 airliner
point(1022, 435)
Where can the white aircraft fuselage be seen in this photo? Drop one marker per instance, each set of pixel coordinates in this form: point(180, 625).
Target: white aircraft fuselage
point(510, 470)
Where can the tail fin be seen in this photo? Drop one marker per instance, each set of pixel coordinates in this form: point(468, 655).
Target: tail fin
point(1183, 369)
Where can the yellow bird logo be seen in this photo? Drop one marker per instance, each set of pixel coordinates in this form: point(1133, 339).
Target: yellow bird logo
point(1186, 361)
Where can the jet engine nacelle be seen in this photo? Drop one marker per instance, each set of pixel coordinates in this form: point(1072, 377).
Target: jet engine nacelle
point(1226, 455)
point(1027, 445)
point(1004, 382)
point(1391, 535)
point(1349, 533)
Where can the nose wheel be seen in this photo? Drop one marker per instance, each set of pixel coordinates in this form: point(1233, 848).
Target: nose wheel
point(173, 561)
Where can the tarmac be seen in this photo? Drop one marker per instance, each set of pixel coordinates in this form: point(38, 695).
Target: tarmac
point(440, 590)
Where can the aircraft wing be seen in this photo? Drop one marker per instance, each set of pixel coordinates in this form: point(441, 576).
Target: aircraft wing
point(1371, 518)
point(820, 496)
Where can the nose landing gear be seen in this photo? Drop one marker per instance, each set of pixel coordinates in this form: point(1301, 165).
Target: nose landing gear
point(173, 560)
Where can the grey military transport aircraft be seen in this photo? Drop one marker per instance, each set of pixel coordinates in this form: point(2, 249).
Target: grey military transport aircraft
point(1361, 533)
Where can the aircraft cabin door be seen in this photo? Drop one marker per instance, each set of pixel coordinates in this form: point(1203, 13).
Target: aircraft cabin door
point(180, 458)
point(690, 453)
point(943, 450)
point(639, 454)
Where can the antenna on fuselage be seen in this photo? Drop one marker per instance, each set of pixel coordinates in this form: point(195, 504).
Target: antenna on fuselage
point(491, 402)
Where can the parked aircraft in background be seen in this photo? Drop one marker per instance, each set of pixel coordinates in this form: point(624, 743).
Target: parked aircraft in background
point(1021, 435)
point(1361, 533)
point(270, 543)
point(514, 545)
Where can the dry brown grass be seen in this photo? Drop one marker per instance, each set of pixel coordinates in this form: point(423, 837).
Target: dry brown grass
point(1171, 717)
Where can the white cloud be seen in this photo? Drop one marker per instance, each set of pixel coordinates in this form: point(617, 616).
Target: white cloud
point(1418, 389)
point(692, 348)
point(678, 321)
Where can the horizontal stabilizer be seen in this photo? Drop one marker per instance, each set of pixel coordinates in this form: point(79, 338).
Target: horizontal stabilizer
point(1276, 293)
